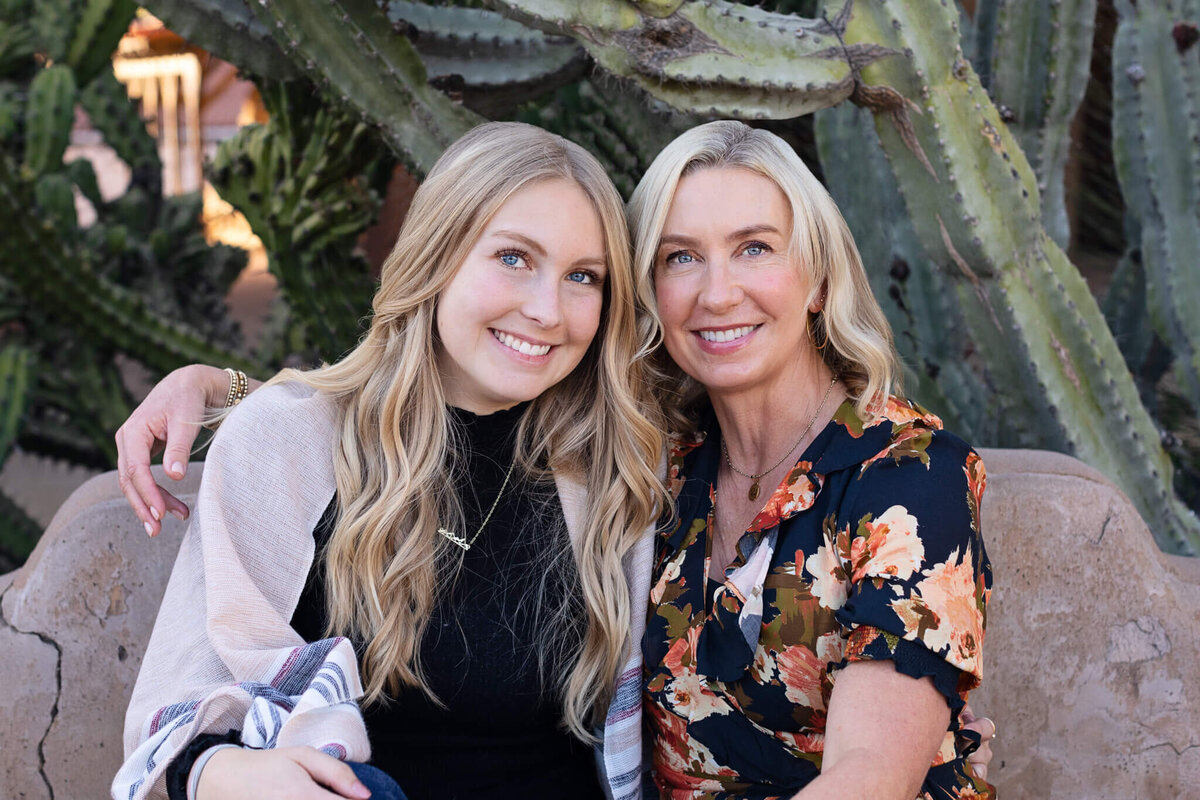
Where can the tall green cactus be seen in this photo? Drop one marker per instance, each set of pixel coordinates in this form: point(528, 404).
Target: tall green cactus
point(1040, 55)
point(1156, 142)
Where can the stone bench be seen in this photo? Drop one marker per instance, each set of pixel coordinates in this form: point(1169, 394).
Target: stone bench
point(1091, 667)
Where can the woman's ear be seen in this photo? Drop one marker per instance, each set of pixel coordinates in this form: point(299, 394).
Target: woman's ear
point(818, 301)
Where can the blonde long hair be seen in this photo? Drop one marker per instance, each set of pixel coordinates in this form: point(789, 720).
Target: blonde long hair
point(860, 349)
point(394, 459)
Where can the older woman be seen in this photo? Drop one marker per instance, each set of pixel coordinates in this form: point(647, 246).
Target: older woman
point(818, 597)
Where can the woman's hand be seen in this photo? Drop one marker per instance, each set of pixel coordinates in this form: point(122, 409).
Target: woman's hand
point(169, 417)
point(986, 729)
point(289, 773)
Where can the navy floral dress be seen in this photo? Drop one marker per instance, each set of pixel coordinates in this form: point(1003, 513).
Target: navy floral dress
point(869, 549)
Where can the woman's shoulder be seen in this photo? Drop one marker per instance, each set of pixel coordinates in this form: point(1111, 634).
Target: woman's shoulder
point(900, 441)
point(280, 417)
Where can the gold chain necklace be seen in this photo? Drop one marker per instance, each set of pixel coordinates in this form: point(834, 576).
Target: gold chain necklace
point(754, 487)
point(464, 543)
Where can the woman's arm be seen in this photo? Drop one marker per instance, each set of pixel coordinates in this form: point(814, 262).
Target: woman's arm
point(222, 655)
point(884, 729)
point(168, 418)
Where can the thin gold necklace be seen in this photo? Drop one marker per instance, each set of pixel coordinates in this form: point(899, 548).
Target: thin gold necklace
point(464, 543)
point(754, 487)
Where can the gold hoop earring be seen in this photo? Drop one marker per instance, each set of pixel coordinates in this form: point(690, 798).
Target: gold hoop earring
point(808, 326)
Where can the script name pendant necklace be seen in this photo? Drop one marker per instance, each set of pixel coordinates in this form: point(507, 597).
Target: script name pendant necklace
point(755, 489)
point(463, 542)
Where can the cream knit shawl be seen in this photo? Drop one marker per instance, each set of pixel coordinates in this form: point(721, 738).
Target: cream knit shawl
point(222, 655)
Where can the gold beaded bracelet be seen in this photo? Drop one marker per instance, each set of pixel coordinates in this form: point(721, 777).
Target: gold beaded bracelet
point(239, 387)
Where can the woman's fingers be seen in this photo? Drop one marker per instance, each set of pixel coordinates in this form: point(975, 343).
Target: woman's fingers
point(134, 443)
point(289, 773)
point(979, 760)
point(328, 771)
point(168, 418)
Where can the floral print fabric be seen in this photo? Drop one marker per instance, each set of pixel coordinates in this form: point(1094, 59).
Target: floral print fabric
point(869, 549)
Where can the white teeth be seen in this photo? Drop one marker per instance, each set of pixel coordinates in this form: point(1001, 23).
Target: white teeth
point(521, 346)
point(727, 335)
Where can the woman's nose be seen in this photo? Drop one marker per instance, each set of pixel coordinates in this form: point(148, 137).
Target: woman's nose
point(542, 303)
point(721, 290)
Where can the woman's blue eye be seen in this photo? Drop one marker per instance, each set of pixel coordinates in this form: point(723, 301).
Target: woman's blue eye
point(755, 249)
point(681, 258)
point(510, 259)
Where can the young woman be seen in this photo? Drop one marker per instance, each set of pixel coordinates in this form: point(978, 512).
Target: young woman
point(456, 498)
point(844, 534)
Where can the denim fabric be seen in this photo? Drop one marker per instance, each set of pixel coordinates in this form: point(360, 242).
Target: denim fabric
point(379, 782)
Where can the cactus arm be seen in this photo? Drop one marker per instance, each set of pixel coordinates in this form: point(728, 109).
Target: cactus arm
point(1039, 66)
point(101, 26)
point(974, 202)
point(51, 107)
point(66, 289)
point(228, 29)
point(496, 64)
point(349, 48)
point(16, 383)
point(914, 292)
point(710, 57)
point(1156, 144)
point(115, 116)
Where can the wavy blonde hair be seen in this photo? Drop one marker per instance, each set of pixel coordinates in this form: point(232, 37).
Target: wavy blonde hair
point(860, 350)
point(395, 458)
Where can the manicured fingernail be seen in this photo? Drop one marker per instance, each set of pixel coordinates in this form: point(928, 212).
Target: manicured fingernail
point(177, 469)
point(149, 528)
point(154, 513)
point(360, 790)
point(178, 515)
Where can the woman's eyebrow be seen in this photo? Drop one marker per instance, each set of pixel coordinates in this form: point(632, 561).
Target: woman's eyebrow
point(751, 230)
point(532, 244)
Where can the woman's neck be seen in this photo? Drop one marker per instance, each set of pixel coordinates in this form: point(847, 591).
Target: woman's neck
point(757, 425)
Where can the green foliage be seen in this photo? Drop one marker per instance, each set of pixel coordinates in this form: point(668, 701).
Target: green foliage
point(956, 180)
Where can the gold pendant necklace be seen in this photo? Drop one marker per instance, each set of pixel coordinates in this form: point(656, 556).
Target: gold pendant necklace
point(755, 489)
point(463, 542)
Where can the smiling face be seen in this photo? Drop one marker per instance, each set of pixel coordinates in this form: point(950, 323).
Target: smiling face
point(524, 306)
point(731, 298)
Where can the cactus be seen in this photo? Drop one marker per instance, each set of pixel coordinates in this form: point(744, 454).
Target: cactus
point(100, 27)
point(115, 116)
point(493, 64)
point(16, 380)
point(66, 288)
point(711, 57)
point(938, 355)
point(48, 119)
point(297, 181)
point(227, 28)
point(1156, 143)
point(1040, 54)
point(973, 199)
point(348, 47)
point(52, 22)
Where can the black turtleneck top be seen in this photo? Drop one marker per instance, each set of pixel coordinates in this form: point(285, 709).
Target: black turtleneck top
point(499, 734)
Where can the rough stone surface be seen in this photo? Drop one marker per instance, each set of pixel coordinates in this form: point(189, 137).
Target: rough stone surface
point(77, 616)
point(1091, 671)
